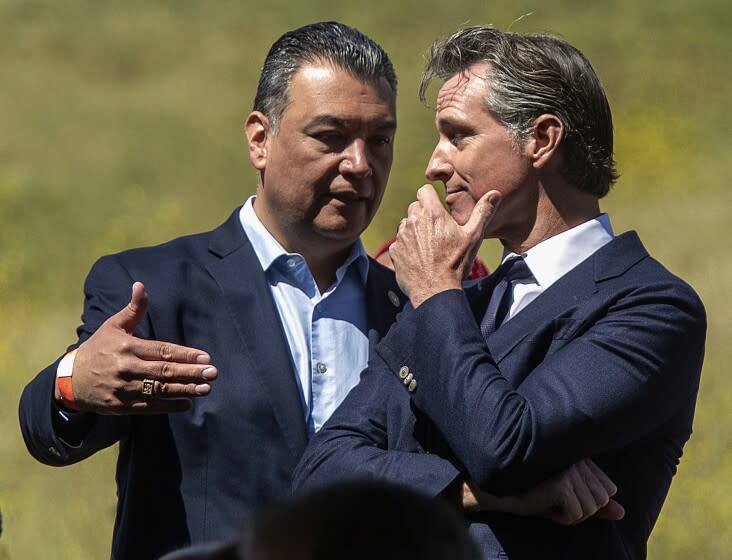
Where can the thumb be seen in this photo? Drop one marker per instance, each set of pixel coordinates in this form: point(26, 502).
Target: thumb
point(482, 213)
point(613, 511)
point(131, 314)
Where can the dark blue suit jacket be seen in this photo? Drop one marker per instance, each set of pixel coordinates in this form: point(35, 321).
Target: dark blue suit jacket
point(604, 364)
point(196, 476)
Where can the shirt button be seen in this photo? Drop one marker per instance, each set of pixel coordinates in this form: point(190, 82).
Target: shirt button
point(321, 367)
point(292, 262)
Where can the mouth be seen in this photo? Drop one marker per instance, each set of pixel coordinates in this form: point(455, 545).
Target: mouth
point(347, 197)
point(452, 194)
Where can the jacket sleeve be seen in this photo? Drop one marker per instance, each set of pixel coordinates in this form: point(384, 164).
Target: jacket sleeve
point(53, 442)
point(620, 379)
point(369, 437)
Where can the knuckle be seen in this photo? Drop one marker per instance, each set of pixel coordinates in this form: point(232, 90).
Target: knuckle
point(166, 370)
point(166, 352)
point(117, 386)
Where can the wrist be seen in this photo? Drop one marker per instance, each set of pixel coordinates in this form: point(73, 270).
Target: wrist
point(63, 388)
point(419, 297)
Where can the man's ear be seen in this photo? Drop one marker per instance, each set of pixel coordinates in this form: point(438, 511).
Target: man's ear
point(545, 138)
point(258, 132)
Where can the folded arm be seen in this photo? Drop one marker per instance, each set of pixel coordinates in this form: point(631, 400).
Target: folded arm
point(611, 385)
point(371, 436)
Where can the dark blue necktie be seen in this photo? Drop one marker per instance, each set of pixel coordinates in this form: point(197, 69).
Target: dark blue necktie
point(508, 274)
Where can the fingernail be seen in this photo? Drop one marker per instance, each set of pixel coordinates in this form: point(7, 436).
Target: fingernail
point(203, 359)
point(202, 389)
point(494, 199)
point(209, 373)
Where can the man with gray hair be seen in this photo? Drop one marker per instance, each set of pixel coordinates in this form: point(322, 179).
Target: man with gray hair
point(579, 347)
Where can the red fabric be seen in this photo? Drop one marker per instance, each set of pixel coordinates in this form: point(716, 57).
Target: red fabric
point(384, 248)
point(478, 270)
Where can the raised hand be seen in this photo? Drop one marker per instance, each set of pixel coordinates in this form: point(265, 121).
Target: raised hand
point(432, 252)
point(116, 373)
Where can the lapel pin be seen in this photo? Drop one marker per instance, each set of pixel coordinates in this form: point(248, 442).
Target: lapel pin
point(393, 298)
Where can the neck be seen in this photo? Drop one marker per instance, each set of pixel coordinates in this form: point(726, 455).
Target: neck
point(558, 208)
point(323, 267)
point(323, 255)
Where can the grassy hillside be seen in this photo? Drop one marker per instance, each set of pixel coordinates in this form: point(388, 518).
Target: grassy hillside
point(121, 126)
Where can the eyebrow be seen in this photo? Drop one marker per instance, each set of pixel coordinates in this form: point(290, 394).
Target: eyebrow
point(337, 122)
point(448, 122)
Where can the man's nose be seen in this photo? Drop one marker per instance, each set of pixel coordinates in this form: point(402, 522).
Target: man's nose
point(355, 160)
point(438, 167)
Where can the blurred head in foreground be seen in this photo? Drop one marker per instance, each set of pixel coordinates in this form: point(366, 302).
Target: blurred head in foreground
point(359, 520)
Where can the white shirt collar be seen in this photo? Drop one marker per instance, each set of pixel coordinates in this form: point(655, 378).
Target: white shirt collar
point(269, 250)
point(553, 258)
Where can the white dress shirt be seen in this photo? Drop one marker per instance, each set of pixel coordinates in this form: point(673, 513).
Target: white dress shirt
point(555, 257)
point(326, 333)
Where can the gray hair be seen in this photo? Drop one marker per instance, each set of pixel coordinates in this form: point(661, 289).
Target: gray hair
point(324, 42)
point(531, 75)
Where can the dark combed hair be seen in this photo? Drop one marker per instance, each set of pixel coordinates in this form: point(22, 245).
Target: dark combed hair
point(537, 74)
point(325, 42)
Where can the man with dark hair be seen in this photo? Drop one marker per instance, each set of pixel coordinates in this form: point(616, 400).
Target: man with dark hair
point(580, 345)
point(282, 298)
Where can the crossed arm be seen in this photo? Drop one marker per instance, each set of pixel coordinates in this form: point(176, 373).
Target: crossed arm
point(371, 436)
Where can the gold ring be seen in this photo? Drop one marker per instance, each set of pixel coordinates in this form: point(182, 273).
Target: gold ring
point(148, 387)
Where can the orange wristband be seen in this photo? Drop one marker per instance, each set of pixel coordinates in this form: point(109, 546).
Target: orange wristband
point(63, 380)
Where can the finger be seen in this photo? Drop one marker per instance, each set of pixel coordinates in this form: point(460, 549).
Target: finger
point(482, 213)
point(158, 407)
point(168, 352)
point(168, 372)
point(567, 509)
point(414, 209)
point(584, 494)
point(427, 196)
point(613, 511)
point(130, 316)
point(161, 390)
point(604, 479)
point(595, 487)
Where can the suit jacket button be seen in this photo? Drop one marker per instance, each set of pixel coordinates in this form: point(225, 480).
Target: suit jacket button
point(412, 386)
point(53, 451)
point(408, 379)
point(403, 372)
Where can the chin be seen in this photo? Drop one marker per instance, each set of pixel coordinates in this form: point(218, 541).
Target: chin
point(460, 217)
point(345, 233)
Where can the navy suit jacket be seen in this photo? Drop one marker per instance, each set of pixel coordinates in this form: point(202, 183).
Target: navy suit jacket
point(196, 476)
point(604, 364)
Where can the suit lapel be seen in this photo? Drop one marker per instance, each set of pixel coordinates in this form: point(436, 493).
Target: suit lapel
point(241, 279)
point(566, 293)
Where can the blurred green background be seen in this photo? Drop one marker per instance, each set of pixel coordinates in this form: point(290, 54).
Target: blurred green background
point(121, 126)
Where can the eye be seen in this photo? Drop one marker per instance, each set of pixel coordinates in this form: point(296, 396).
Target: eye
point(456, 139)
point(328, 136)
point(380, 140)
